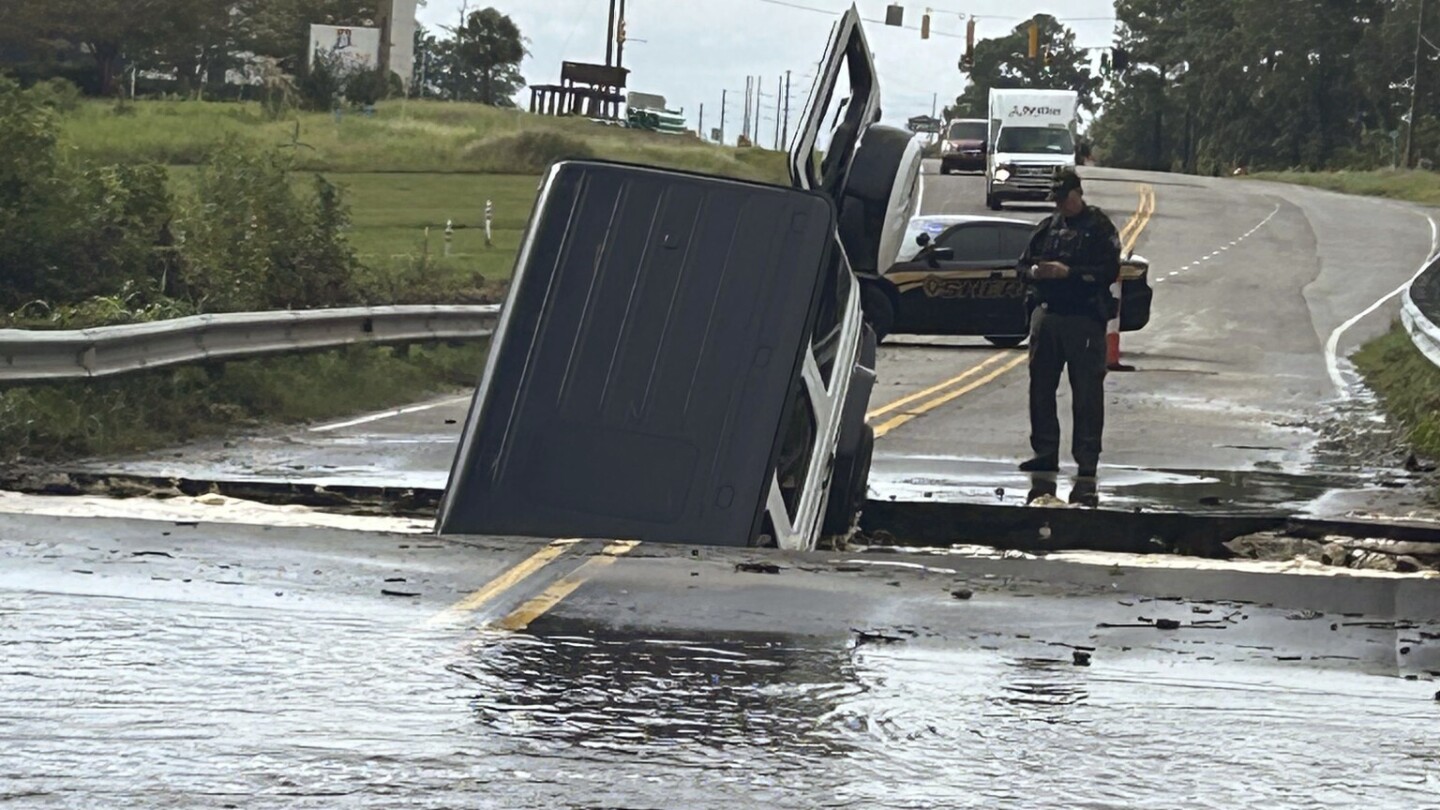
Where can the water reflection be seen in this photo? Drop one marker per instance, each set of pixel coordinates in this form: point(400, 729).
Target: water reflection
point(662, 700)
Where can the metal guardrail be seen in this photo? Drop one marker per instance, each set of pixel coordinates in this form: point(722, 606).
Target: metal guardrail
point(1424, 333)
point(1423, 330)
point(28, 356)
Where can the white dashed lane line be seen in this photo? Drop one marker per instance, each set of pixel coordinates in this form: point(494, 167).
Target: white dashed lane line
point(1224, 248)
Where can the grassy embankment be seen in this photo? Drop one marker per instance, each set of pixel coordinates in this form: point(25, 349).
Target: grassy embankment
point(1407, 382)
point(409, 167)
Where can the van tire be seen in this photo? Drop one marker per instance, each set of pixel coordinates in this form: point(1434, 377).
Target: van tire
point(993, 203)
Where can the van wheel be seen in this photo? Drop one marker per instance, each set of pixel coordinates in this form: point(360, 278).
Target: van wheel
point(1006, 342)
point(878, 310)
point(993, 203)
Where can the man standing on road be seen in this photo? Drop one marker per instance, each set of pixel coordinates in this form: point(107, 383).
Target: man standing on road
point(1071, 261)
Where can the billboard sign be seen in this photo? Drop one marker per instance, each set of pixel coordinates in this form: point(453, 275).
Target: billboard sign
point(356, 48)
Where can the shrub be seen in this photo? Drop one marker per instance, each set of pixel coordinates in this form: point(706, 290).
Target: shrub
point(251, 242)
point(67, 232)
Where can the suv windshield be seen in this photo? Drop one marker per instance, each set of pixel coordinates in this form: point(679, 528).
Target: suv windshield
point(1034, 140)
point(967, 131)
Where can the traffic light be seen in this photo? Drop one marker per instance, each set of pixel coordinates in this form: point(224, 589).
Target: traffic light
point(621, 35)
point(1034, 39)
point(925, 26)
point(895, 14)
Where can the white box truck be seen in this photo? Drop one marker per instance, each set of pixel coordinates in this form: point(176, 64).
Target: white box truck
point(1032, 135)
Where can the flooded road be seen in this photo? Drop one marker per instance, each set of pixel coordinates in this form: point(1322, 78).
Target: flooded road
point(154, 664)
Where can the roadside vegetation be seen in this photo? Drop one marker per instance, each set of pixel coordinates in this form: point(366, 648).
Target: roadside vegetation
point(1413, 185)
point(1408, 385)
point(118, 213)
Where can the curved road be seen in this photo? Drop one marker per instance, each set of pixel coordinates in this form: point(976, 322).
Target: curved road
point(203, 663)
point(1240, 370)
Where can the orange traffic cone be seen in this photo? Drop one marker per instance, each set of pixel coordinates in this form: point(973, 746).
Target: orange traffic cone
point(1112, 334)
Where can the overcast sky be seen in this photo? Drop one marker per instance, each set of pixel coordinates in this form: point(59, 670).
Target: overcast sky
point(694, 49)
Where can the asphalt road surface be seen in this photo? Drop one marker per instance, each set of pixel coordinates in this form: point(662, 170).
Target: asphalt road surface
point(1260, 291)
point(174, 665)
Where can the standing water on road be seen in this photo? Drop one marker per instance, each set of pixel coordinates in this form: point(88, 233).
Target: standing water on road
point(120, 703)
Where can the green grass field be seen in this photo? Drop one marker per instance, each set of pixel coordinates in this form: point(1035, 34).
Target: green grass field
point(391, 213)
point(402, 136)
point(1414, 186)
point(411, 166)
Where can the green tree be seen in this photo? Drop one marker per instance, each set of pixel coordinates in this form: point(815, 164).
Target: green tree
point(111, 31)
point(1005, 63)
point(201, 42)
point(488, 51)
point(1304, 83)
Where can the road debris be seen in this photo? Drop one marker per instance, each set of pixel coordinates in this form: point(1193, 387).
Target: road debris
point(874, 637)
point(757, 568)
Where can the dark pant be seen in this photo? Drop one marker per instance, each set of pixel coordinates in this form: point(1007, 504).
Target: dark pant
point(1077, 341)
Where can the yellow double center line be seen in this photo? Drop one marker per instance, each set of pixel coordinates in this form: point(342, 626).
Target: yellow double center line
point(1130, 234)
point(521, 617)
point(991, 368)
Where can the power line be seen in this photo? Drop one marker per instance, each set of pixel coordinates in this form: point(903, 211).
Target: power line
point(933, 32)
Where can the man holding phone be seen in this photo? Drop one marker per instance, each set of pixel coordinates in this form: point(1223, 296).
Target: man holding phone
point(1072, 260)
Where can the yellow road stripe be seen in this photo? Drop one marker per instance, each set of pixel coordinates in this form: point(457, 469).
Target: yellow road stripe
point(522, 616)
point(504, 582)
point(1137, 223)
point(968, 373)
point(897, 421)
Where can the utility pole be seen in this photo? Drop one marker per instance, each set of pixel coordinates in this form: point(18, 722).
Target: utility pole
point(786, 136)
point(700, 127)
point(610, 37)
point(759, 99)
point(722, 116)
point(620, 47)
point(779, 92)
point(934, 100)
point(459, 37)
point(745, 125)
point(1414, 89)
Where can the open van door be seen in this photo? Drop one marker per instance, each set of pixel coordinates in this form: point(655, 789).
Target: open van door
point(680, 357)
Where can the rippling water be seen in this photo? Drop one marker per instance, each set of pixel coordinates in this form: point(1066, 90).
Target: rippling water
point(120, 703)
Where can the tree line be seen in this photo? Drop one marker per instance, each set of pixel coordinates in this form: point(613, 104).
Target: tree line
point(1272, 84)
point(194, 43)
point(1211, 86)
